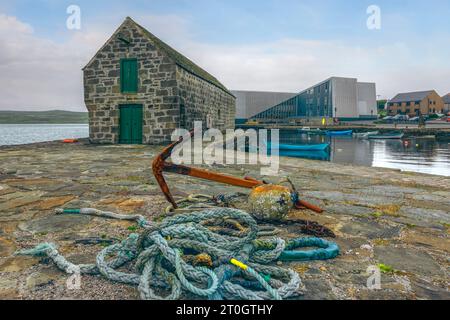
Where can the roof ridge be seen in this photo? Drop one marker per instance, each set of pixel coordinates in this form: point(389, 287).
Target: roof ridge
point(106, 43)
point(181, 60)
point(415, 92)
point(411, 96)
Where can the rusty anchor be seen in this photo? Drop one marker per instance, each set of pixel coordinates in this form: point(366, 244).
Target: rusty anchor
point(161, 165)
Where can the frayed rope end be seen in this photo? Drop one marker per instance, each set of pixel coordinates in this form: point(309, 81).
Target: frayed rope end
point(40, 250)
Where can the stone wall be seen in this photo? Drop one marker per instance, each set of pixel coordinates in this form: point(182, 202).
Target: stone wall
point(164, 90)
point(157, 89)
point(199, 98)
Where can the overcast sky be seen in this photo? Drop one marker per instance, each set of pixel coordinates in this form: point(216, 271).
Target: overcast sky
point(284, 45)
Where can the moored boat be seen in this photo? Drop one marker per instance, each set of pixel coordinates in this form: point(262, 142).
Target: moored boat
point(365, 135)
point(387, 136)
point(304, 147)
point(312, 155)
point(309, 131)
point(340, 133)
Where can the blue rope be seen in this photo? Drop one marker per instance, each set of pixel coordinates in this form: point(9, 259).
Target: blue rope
point(326, 250)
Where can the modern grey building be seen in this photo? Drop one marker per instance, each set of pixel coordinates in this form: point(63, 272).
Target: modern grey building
point(250, 103)
point(336, 97)
point(446, 103)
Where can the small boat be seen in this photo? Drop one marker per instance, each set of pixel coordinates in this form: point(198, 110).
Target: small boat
point(340, 133)
point(365, 135)
point(387, 136)
point(317, 132)
point(304, 147)
point(429, 137)
point(313, 155)
point(310, 131)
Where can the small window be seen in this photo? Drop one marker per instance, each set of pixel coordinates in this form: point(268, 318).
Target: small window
point(129, 75)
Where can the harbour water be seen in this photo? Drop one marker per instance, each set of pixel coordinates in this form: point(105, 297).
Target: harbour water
point(15, 134)
point(416, 155)
point(412, 154)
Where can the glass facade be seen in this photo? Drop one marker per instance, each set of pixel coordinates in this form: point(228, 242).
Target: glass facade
point(311, 103)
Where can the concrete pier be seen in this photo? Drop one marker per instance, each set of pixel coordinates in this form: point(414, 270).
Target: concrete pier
point(380, 216)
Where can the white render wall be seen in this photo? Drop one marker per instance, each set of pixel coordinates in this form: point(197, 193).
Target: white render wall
point(367, 99)
point(353, 99)
point(250, 103)
point(344, 95)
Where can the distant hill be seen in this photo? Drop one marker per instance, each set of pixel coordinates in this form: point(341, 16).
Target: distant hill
point(53, 116)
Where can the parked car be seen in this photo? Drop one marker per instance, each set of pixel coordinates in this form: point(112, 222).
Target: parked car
point(414, 119)
point(401, 117)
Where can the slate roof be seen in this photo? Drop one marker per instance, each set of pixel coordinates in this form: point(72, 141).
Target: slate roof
point(180, 59)
point(446, 99)
point(410, 96)
point(177, 57)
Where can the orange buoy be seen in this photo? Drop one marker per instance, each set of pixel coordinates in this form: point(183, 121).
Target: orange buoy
point(70, 141)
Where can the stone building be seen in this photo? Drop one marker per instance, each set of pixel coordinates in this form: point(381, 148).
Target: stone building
point(138, 89)
point(416, 103)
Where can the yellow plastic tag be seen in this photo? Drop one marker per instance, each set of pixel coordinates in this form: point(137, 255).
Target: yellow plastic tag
point(239, 264)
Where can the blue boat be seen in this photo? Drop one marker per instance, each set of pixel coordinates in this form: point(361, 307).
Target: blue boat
point(304, 147)
point(340, 133)
point(312, 155)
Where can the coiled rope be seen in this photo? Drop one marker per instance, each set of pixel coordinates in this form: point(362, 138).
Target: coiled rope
point(240, 264)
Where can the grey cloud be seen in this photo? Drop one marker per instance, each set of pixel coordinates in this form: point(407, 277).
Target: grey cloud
point(40, 74)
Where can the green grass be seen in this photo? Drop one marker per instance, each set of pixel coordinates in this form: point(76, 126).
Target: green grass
point(385, 268)
point(39, 117)
point(132, 228)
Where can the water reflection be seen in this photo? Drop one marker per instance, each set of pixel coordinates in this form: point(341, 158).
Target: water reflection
point(417, 155)
point(426, 156)
point(351, 151)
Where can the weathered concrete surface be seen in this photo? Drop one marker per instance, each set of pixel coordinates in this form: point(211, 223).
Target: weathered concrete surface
point(380, 216)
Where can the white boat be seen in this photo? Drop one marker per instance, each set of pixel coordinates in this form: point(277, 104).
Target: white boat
point(365, 135)
point(387, 136)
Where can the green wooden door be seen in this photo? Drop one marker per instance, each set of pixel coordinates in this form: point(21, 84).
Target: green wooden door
point(129, 75)
point(131, 124)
